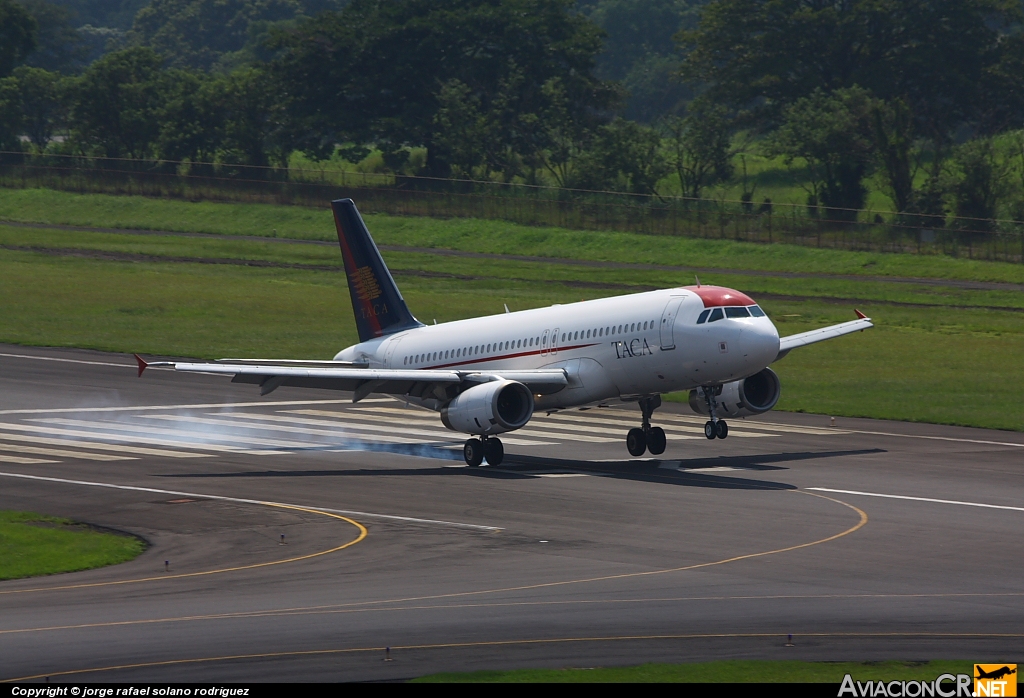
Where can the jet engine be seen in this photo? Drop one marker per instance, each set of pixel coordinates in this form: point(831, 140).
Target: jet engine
point(753, 395)
point(489, 408)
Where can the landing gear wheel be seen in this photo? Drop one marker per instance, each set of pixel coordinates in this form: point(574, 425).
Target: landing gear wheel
point(721, 429)
point(494, 452)
point(636, 442)
point(473, 452)
point(656, 441)
point(709, 430)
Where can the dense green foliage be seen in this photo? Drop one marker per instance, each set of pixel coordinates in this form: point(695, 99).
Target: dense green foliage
point(921, 104)
point(36, 544)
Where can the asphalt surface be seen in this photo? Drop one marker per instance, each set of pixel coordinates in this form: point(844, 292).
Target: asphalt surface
point(568, 554)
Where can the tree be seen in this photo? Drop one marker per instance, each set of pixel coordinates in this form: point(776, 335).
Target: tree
point(256, 131)
point(40, 98)
point(192, 119)
point(17, 35)
point(831, 132)
point(699, 147)
point(116, 104)
point(936, 56)
point(374, 72)
point(623, 156)
point(639, 52)
point(980, 181)
point(58, 46)
point(196, 33)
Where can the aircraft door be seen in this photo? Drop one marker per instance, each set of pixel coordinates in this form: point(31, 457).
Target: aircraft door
point(553, 347)
point(544, 343)
point(668, 321)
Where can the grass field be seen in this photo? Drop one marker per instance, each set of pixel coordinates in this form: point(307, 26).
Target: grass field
point(718, 672)
point(98, 210)
point(938, 354)
point(34, 544)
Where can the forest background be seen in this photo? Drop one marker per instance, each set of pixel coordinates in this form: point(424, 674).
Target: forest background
point(912, 109)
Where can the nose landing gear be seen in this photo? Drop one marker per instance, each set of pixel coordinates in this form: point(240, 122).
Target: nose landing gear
point(476, 450)
point(715, 427)
point(646, 437)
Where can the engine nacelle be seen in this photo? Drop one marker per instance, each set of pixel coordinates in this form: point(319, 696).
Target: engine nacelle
point(489, 408)
point(753, 395)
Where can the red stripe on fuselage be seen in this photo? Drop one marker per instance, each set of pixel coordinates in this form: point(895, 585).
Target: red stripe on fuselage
point(510, 356)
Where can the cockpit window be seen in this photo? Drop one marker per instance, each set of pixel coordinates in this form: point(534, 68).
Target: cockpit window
point(703, 317)
point(716, 315)
point(756, 311)
point(737, 312)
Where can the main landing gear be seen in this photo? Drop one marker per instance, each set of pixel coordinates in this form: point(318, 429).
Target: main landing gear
point(646, 437)
point(714, 428)
point(476, 450)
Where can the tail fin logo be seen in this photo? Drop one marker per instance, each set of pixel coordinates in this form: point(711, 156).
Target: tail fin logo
point(365, 284)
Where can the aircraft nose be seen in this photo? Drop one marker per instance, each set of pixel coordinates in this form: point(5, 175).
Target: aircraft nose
point(761, 342)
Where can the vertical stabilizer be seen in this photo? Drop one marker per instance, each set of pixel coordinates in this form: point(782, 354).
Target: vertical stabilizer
point(378, 305)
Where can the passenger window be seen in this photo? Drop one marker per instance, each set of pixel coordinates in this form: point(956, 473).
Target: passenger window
point(737, 312)
point(703, 316)
point(756, 311)
point(716, 315)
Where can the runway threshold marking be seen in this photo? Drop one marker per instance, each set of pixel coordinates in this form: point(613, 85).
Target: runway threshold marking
point(278, 505)
point(203, 406)
point(918, 499)
point(506, 643)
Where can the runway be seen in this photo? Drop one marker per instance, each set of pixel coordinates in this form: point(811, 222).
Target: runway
point(867, 540)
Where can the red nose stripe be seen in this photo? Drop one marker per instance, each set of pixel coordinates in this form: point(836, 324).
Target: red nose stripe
point(714, 296)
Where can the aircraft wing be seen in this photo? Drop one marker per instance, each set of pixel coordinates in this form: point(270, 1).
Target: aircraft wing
point(338, 375)
point(787, 344)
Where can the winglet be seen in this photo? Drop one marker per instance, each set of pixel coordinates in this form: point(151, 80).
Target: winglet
point(142, 364)
point(861, 315)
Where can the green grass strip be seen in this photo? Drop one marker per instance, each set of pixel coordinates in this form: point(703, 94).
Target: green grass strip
point(101, 210)
point(718, 672)
point(35, 544)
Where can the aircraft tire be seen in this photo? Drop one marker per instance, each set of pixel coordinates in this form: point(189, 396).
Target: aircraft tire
point(494, 451)
point(709, 430)
point(473, 452)
point(656, 441)
point(721, 429)
point(636, 442)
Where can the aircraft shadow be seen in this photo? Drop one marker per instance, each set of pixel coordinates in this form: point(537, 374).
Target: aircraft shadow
point(518, 467)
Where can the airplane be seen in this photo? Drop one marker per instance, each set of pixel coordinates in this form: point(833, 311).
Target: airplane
point(996, 674)
point(487, 376)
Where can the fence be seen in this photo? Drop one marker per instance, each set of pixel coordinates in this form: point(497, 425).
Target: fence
point(529, 205)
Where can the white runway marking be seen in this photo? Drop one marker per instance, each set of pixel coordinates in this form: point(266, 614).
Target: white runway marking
point(941, 438)
point(132, 439)
point(440, 435)
point(61, 452)
point(175, 434)
point(24, 461)
point(917, 499)
point(67, 361)
point(346, 512)
point(204, 406)
point(340, 432)
point(116, 448)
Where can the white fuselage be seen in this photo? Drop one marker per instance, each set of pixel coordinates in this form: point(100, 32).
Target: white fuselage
point(620, 347)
